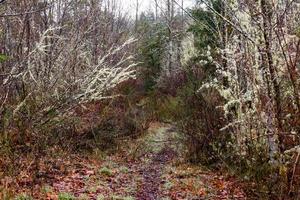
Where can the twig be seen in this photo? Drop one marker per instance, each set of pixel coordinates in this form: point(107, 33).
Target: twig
point(25, 13)
point(230, 23)
point(294, 170)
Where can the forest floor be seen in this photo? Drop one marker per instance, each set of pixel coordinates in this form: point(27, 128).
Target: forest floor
point(151, 168)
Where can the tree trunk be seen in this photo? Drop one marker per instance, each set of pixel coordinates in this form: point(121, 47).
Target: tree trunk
point(267, 34)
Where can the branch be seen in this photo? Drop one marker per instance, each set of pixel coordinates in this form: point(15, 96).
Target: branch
point(230, 23)
point(24, 13)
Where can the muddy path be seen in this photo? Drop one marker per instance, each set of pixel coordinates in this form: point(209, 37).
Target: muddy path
point(152, 181)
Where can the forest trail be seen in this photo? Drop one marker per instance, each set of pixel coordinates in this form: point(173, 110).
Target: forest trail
point(152, 172)
point(152, 175)
point(150, 169)
point(166, 178)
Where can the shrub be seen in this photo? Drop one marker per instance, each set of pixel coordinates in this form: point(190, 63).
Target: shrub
point(201, 120)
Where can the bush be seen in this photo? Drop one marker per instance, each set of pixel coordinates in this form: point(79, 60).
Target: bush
point(201, 119)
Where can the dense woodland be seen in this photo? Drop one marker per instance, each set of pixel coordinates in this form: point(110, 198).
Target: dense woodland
point(85, 84)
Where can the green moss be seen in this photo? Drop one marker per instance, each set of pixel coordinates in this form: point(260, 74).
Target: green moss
point(168, 185)
point(47, 189)
point(122, 198)
point(298, 32)
point(65, 196)
point(124, 170)
point(23, 197)
point(93, 189)
point(3, 57)
point(105, 171)
point(100, 197)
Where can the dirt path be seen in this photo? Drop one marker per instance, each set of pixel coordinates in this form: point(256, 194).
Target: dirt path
point(152, 173)
point(150, 169)
point(164, 179)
